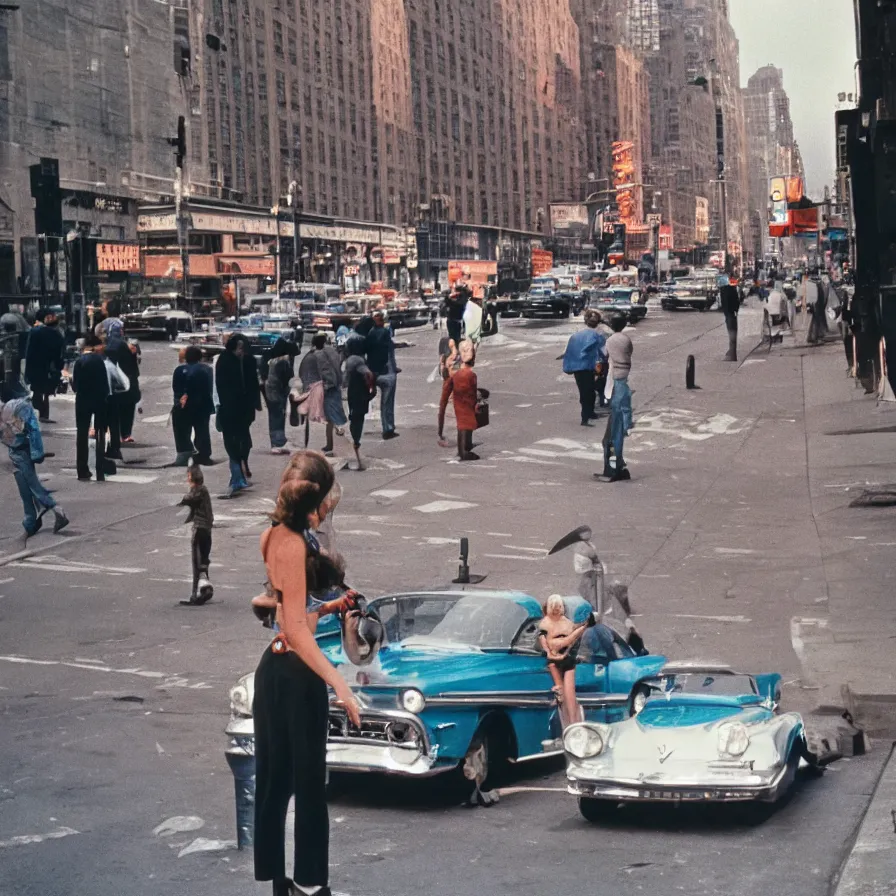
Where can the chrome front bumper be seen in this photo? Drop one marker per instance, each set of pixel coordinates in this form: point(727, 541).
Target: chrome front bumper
point(729, 785)
point(368, 749)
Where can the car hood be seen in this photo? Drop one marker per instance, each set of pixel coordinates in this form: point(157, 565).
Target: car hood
point(434, 671)
point(689, 711)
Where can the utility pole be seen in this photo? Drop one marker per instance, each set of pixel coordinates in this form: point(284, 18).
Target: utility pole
point(294, 199)
point(181, 212)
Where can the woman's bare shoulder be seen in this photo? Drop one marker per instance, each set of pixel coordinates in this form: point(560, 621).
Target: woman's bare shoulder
point(280, 544)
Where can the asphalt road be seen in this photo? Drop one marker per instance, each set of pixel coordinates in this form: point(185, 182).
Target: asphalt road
point(113, 697)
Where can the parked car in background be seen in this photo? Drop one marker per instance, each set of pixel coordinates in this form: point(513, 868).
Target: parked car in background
point(623, 300)
point(688, 294)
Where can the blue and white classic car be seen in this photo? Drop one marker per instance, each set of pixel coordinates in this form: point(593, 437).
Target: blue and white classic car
point(695, 733)
point(461, 684)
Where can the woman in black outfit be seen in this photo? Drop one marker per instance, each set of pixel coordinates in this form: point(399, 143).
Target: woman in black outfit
point(291, 707)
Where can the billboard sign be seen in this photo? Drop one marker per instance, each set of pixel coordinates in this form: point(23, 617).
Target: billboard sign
point(118, 257)
point(778, 196)
point(570, 221)
point(476, 274)
point(624, 180)
point(542, 262)
point(701, 219)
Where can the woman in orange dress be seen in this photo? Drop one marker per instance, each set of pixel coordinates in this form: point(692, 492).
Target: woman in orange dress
point(464, 387)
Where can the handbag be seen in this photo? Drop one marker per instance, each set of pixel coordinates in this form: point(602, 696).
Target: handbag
point(481, 411)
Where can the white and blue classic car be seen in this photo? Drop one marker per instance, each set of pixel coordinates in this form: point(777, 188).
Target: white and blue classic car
point(461, 684)
point(694, 733)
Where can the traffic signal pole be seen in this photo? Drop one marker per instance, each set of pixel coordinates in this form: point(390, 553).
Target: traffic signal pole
point(181, 212)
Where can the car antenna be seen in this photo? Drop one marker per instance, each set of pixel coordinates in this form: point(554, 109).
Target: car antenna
point(464, 577)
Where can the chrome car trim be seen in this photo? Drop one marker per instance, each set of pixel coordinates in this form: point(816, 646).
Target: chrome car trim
point(377, 715)
point(629, 789)
point(602, 699)
point(371, 757)
point(492, 698)
point(520, 698)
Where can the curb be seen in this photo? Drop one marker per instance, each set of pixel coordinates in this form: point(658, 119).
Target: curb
point(870, 867)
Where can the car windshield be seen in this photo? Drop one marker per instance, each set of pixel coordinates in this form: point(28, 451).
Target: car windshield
point(720, 684)
point(451, 621)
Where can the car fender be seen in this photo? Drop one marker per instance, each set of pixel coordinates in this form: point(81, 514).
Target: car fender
point(452, 729)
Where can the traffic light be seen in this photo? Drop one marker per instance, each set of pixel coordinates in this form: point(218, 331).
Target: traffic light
point(180, 142)
point(47, 197)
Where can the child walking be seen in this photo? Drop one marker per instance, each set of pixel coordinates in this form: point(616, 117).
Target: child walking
point(201, 516)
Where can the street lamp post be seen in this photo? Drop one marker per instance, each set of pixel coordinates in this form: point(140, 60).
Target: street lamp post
point(275, 211)
point(294, 199)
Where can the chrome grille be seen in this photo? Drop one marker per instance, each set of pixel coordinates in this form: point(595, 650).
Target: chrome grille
point(371, 729)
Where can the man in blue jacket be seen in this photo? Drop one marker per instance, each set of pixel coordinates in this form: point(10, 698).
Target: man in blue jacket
point(20, 432)
point(584, 352)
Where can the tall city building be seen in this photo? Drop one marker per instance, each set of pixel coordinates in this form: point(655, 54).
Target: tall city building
point(94, 85)
point(772, 149)
point(288, 95)
point(616, 94)
point(496, 92)
point(692, 57)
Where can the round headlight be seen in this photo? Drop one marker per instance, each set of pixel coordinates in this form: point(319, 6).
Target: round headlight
point(733, 739)
point(639, 702)
point(413, 701)
point(582, 741)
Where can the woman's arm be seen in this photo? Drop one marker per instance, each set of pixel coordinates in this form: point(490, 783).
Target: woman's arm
point(290, 555)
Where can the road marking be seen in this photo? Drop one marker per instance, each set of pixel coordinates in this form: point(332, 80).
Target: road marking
point(158, 418)
point(29, 839)
point(734, 551)
point(389, 493)
point(687, 425)
point(712, 618)
point(444, 506)
point(511, 557)
point(167, 680)
point(60, 564)
point(515, 547)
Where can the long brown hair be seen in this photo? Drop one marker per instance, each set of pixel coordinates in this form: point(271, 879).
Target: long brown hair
point(304, 486)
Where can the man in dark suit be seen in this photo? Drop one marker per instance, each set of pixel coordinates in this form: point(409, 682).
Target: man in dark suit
point(43, 361)
point(198, 402)
point(90, 383)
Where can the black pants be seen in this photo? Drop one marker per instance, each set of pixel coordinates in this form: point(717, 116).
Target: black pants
point(180, 423)
point(113, 421)
point(454, 330)
point(202, 439)
point(356, 425)
point(237, 442)
point(587, 394)
point(600, 386)
point(84, 414)
point(41, 403)
point(200, 553)
point(290, 711)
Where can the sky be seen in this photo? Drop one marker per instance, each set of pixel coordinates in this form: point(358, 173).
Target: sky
point(814, 42)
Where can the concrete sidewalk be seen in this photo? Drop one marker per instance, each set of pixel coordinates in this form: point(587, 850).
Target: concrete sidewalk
point(870, 868)
point(850, 441)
